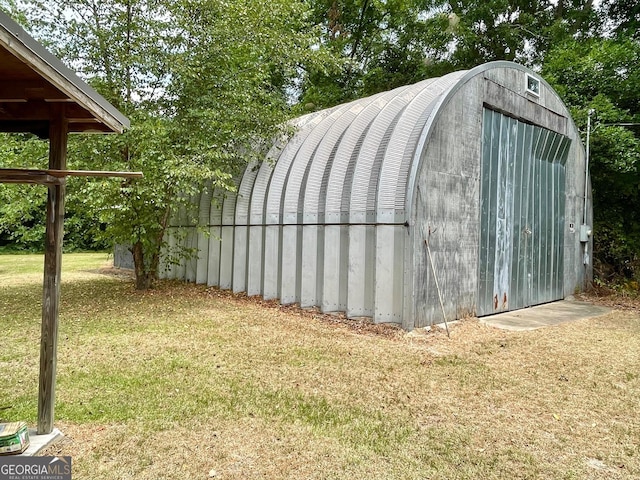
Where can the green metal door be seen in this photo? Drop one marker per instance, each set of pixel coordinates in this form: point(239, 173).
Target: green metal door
point(522, 202)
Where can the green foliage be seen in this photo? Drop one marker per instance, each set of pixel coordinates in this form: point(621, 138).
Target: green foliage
point(582, 71)
point(383, 45)
point(625, 17)
point(615, 175)
point(22, 207)
point(603, 75)
point(237, 63)
point(386, 44)
point(206, 84)
point(10, 7)
point(522, 30)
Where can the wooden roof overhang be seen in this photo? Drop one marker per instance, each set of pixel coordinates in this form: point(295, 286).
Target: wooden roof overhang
point(32, 80)
point(40, 95)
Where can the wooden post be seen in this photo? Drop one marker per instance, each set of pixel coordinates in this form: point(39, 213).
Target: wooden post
point(58, 132)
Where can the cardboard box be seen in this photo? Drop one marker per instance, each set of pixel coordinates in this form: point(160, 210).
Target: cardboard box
point(14, 437)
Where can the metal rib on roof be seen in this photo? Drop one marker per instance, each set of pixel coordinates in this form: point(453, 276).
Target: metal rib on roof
point(280, 176)
point(395, 167)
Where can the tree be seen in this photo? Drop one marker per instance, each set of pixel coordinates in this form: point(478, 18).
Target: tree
point(521, 30)
point(384, 44)
point(391, 43)
point(22, 207)
point(204, 82)
point(123, 49)
point(603, 75)
point(624, 17)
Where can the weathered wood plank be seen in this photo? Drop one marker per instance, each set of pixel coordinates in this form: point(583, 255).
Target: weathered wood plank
point(41, 177)
point(55, 177)
point(58, 133)
point(93, 173)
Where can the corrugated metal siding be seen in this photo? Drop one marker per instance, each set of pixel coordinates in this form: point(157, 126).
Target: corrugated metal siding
point(341, 174)
point(328, 220)
point(215, 220)
point(286, 197)
point(282, 168)
point(241, 235)
point(372, 151)
point(306, 141)
point(390, 202)
point(204, 212)
point(522, 214)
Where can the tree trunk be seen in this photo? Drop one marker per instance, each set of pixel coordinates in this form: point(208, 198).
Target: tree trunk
point(143, 278)
point(147, 272)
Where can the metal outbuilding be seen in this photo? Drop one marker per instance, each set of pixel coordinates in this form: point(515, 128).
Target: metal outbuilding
point(466, 194)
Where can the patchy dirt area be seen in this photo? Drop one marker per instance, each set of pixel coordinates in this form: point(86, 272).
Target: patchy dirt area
point(120, 273)
point(612, 299)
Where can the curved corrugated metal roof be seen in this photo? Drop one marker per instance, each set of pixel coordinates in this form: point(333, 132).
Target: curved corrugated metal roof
point(297, 168)
point(279, 179)
point(395, 166)
point(349, 163)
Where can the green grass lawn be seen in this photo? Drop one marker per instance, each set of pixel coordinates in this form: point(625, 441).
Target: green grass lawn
point(186, 381)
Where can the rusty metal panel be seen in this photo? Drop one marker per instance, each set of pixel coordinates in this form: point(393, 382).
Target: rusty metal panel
point(522, 204)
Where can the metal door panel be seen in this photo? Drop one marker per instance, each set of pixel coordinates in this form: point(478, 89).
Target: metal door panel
point(521, 215)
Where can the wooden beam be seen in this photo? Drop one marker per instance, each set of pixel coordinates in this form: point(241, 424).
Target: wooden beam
point(93, 173)
point(55, 177)
point(40, 177)
point(38, 127)
point(58, 133)
point(40, 110)
point(11, 90)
